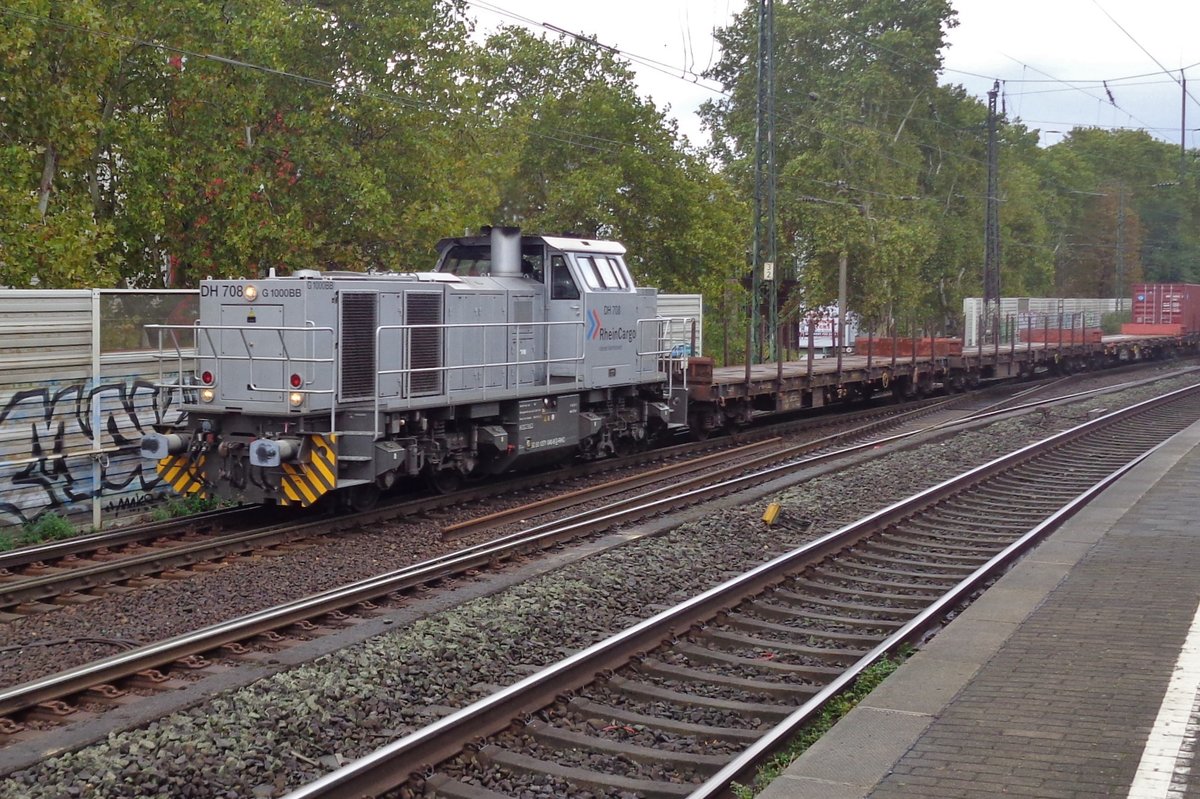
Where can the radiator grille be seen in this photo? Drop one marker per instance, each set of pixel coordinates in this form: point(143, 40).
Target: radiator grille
point(425, 344)
point(359, 310)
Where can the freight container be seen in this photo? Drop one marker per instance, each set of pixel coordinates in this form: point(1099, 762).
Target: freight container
point(1167, 304)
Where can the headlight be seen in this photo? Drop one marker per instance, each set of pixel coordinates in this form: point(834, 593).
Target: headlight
point(207, 395)
point(251, 293)
point(295, 398)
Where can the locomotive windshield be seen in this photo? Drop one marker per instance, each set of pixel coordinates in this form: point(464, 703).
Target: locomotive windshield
point(475, 260)
point(603, 272)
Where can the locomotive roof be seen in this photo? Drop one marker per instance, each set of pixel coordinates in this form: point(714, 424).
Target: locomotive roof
point(567, 243)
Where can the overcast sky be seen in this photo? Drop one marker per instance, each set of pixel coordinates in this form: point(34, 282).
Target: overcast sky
point(1050, 54)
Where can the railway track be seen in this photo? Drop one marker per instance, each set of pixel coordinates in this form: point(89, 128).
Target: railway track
point(691, 700)
point(43, 578)
point(46, 577)
point(678, 481)
point(56, 698)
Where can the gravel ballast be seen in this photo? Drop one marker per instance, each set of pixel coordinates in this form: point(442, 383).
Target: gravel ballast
point(293, 726)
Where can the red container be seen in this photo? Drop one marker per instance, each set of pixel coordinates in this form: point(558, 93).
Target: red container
point(1167, 304)
point(1133, 329)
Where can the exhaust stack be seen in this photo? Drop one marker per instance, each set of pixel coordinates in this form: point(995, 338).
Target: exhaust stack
point(506, 252)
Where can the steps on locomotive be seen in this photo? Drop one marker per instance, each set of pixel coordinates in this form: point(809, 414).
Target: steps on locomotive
point(356, 447)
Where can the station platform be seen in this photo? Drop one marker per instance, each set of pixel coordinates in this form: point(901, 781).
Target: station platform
point(1076, 675)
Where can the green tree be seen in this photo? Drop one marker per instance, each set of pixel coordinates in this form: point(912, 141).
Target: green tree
point(853, 79)
point(48, 236)
point(1127, 213)
point(585, 153)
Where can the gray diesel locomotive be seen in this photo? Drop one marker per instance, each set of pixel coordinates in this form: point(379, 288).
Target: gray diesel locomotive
point(515, 351)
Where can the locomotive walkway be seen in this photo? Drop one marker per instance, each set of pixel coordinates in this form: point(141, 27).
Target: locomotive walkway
point(1075, 676)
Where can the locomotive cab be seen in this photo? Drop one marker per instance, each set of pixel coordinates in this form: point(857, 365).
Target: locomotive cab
point(593, 312)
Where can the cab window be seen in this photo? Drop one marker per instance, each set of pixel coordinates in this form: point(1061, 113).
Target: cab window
point(562, 285)
point(610, 270)
point(602, 273)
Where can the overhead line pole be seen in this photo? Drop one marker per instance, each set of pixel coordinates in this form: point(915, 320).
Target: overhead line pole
point(764, 258)
point(991, 260)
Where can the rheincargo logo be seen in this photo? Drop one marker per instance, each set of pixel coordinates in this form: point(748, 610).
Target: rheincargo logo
point(597, 331)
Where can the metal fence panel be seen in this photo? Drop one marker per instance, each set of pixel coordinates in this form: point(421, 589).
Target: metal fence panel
point(76, 394)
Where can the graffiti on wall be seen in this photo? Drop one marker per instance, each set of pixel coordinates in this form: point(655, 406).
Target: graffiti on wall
point(47, 434)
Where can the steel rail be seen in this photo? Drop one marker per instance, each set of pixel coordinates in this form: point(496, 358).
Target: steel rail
point(33, 589)
point(64, 684)
point(560, 501)
point(391, 765)
point(645, 503)
point(76, 545)
point(16, 592)
point(743, 767)
point(541, 507)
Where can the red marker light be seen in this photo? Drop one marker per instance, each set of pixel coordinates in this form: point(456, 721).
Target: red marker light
point(297, 381)
point(206, 378)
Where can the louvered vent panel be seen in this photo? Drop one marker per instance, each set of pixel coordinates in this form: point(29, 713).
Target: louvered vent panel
point(425, 344)
point(359, 311)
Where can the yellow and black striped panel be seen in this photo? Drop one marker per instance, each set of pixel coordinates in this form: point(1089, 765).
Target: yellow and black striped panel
point(305, 482)
point(183, 474)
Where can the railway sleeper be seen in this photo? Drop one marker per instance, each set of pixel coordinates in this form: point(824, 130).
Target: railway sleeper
point(655, 693)
point(886, 561)
point(1005, 486)
point(829, 654)
point(875, 611)
point(559, 738)
point(702, 654)
point(932, 542)
point(782, 612)
point(1043, 501)
point(454, 788)
point(967, 512)
point(657, 668)
point(492, 755)
point(599, 710)
point(916, 602)
point(941, 528)
point(913, 551)
point(1051, 474)
point(866, 565)
point(742, 622)
point(847, 572)
point(1002, 507)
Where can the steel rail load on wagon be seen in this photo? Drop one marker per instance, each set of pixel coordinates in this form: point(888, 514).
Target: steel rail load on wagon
point(731, 396)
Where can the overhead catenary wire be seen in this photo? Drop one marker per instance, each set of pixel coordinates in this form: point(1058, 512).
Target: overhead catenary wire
point(1070, 85)
point(1144, 50)
point(684, 72)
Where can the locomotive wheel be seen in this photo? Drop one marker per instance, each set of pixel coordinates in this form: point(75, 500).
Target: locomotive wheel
point(363, 497)
point(445, 481)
